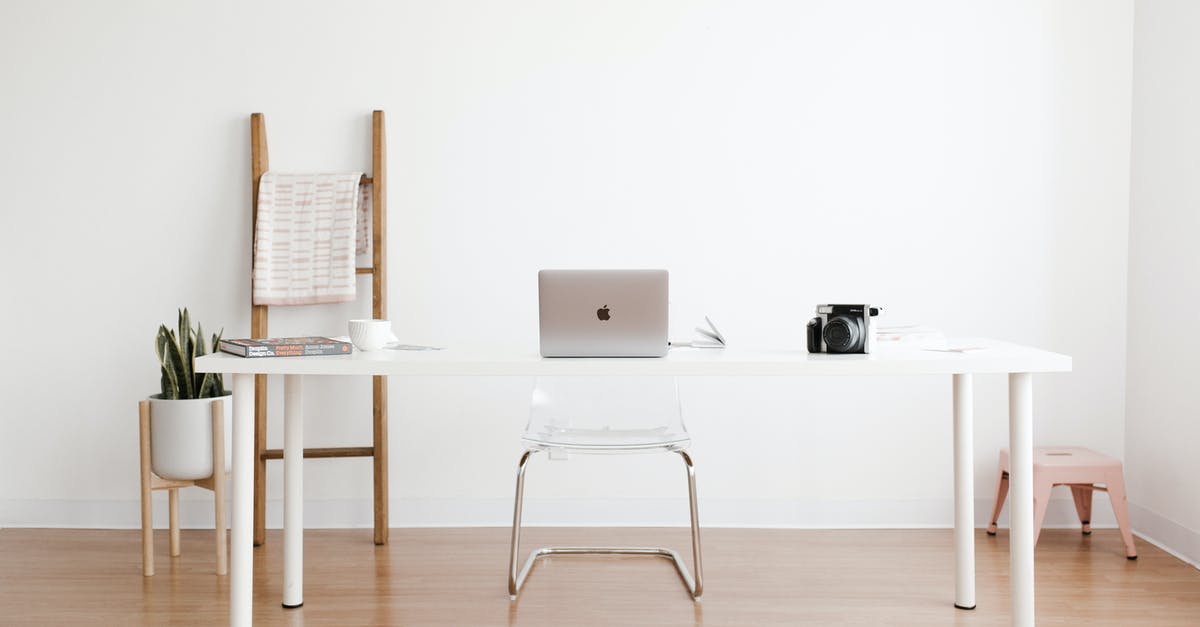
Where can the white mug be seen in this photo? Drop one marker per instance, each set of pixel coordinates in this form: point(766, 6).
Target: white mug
point(371, 335)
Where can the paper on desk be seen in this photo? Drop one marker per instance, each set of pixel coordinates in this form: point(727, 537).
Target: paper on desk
point(956, 349)
point(908, 335)
point(712, 338)
point(396, 346)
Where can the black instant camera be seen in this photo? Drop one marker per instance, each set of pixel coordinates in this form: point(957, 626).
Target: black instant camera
point(841, 329)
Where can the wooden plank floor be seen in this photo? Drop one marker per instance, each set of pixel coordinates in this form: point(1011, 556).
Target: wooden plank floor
point(457, 577)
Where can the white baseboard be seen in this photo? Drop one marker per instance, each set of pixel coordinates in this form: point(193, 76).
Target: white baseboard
point(546, 512)
point(1166, 534)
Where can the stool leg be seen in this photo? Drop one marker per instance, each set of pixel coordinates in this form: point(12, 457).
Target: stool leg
point(1116, 494)
point(1041, 502)
point(174, 503)
point(1001, 494)
point(147, 503)
point(1083, 506)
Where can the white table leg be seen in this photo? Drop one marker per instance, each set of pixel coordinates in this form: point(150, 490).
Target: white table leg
point(293, 491)
point(241, 564)
point(964, 493)
point(1020, 486)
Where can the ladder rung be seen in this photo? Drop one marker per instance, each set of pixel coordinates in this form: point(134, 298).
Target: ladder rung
point(364, 271)
point(337, 451)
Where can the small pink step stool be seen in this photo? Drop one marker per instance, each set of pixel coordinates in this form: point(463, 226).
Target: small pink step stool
point(1080, 469)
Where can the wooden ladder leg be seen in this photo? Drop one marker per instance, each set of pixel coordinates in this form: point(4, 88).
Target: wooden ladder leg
point(380, 458)
point(147, 502)
point(379, 311)
point(260, 463)
point(259, 164)
point(218, 483)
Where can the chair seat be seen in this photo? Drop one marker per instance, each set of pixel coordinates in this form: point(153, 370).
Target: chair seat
point(1074, 458)
point(607, 439)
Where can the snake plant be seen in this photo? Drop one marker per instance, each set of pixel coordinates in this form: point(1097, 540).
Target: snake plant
point(177, 353)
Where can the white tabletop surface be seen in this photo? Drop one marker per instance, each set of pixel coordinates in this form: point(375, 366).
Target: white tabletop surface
point(987, 356)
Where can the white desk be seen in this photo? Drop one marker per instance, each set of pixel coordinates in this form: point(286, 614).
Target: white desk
point(1018, 362)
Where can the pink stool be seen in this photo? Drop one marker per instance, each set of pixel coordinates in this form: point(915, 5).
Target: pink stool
point(1080, 469)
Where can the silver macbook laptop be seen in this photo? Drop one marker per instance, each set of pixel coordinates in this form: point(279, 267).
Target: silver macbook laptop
point(603, 313)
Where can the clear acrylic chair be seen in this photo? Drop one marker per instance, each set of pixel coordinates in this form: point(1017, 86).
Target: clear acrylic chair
point(605, 415)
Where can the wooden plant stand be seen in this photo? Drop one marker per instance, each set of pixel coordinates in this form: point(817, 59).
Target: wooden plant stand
point(150, 482)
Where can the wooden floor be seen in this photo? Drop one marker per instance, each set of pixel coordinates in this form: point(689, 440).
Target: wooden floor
point(457, 577)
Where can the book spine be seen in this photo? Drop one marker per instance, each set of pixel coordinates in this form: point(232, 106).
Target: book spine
point(233, 349)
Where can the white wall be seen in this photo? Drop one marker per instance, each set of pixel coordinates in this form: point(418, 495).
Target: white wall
point(1162, 425)
point(965, 164)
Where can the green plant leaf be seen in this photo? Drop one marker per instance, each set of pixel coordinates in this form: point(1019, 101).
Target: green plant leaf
point(207, 385)
point(169, 389)
point(176, 368)
point(216, 346)
point(198, 351)
point(187, 383)
point(160, 341)
point(165, 346)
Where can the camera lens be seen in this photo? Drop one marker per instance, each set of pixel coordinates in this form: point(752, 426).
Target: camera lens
point(843, 334)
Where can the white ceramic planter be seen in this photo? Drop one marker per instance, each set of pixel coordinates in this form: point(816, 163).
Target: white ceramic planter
point(181, 436)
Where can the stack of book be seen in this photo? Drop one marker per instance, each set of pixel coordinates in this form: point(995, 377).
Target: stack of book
point(286, 347)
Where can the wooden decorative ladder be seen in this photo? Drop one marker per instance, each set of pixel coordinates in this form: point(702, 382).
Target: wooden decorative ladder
point(258, 329)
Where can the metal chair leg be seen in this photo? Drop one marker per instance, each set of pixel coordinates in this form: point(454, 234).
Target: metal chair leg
point(697, 564)
point(516, 579)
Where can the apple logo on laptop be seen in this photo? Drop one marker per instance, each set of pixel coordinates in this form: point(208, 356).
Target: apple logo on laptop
point(602, 313)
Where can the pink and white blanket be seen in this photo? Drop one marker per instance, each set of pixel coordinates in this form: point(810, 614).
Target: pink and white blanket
point(307, 233)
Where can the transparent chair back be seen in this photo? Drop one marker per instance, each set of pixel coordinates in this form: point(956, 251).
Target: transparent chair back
point(606, 415)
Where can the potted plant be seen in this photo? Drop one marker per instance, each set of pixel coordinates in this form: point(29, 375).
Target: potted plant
point(181, 413)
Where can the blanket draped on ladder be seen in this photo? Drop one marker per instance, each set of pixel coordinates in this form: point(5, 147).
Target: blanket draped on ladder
point(308, 231)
